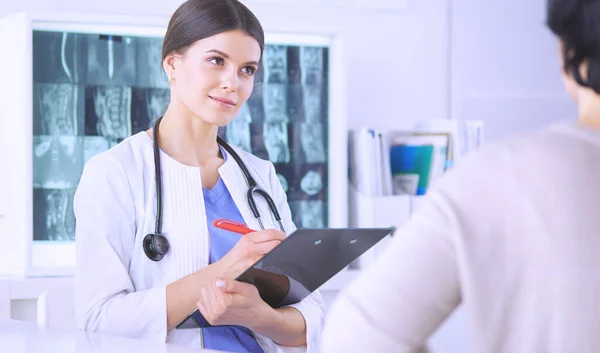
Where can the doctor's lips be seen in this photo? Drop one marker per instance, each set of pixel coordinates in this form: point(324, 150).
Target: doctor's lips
point(224, 101)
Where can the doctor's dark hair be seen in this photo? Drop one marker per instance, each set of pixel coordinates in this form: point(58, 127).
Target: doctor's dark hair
point(577, 24)
point(198, 19)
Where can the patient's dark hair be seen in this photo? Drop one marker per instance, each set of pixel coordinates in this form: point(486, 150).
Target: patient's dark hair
point(199, 19)
point(577, 24)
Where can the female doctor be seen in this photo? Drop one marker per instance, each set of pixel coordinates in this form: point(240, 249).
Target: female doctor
point(147, 252)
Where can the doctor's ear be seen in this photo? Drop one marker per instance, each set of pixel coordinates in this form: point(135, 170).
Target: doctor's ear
point(170, 63)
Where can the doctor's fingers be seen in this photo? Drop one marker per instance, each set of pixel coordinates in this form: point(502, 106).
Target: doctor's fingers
point(214, 303)
point(208, 295)
point(206, 304)
point(260, 249)
point(266, 235)
point(237, 287)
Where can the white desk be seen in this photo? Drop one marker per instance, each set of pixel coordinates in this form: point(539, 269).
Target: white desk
point(24, 337)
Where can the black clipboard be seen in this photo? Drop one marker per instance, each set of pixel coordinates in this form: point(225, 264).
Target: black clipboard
point(303, 262)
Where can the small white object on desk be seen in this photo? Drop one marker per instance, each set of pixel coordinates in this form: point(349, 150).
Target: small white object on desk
point(26, 337)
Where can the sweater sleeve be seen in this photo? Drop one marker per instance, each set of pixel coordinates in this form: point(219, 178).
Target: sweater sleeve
point(416, 283)
point(400, 300)
point(106, 300)
point(312, 307)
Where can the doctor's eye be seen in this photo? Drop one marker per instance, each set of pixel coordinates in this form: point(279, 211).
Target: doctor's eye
point(217, 60)
point(249, 70)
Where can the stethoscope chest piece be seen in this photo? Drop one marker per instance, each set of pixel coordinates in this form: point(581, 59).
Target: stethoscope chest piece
point(156, 246)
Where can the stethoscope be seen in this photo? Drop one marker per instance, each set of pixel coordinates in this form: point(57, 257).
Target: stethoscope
point(156, 245)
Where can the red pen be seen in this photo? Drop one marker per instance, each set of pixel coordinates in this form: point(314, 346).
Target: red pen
point(232, 226)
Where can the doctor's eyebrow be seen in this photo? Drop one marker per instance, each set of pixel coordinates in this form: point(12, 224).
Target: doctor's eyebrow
point(227, 56)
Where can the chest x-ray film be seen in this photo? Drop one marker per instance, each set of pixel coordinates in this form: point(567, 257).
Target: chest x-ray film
point(93, 90)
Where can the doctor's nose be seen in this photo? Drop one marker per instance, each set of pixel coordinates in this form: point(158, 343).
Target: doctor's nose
point(230, 81)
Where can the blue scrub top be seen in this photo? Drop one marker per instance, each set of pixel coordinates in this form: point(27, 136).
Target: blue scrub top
point(219, 204)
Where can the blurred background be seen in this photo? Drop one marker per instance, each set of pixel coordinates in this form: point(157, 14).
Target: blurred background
point(349, 96)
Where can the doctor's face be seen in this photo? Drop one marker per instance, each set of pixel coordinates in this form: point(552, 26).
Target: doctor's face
point(215, 76)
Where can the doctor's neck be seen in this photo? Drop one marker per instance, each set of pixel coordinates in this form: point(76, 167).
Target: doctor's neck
point(187, 138)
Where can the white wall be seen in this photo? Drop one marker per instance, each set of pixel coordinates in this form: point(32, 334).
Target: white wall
point(396, 62)
point(505, 68)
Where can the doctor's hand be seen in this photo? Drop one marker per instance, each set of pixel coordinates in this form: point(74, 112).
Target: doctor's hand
point(247, 251)
point(230, 302)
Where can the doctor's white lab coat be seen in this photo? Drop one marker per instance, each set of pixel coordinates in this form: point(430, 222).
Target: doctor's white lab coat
point(118, 290)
